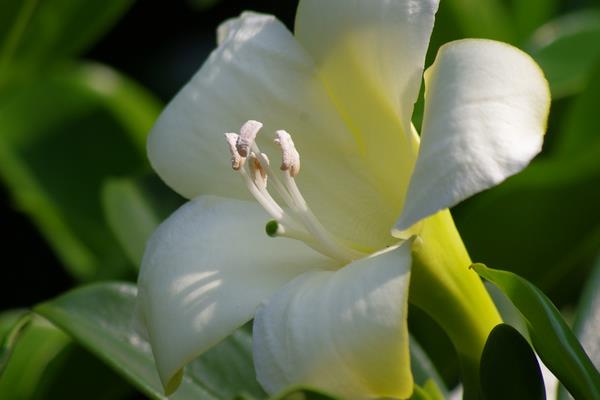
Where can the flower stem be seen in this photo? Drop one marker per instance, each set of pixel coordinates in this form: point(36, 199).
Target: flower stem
point(453, 295)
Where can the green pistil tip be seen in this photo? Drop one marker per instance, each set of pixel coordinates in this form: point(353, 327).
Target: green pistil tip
point(271, 228)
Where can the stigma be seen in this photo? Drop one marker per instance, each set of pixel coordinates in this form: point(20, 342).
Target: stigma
point(295, 220)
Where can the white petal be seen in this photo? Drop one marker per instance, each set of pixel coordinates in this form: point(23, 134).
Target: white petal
point(204, 272)
point(371, 54)
point(260, 72)
point(486, 107)
point(344, 332)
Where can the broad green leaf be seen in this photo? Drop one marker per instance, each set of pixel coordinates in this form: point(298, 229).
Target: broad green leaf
point(134, 208)
point(580, 128)
point(89, 124)
point(424, 372)
point(587, 321)
point(34, 33)
point(544, 222)
point(101, 318)
point(567, 50)
point(509, 368)
point(551, 337)
point(32, 353)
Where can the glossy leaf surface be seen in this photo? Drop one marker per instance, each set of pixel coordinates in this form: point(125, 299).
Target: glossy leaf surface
point(101, 318)
point(551, 337)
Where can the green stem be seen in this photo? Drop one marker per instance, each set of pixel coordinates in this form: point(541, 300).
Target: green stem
point(454, 296)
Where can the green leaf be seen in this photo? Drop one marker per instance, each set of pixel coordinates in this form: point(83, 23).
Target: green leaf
point(551, 337)
point(11, 335)
point(134, 208)
point(567, 50)
point(509, 368)
point(34, 350)
point(35, 32)
point(587, 321)
point(100, 318)
point(90, 124)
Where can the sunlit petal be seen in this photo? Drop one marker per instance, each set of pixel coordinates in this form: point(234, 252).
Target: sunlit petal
point(343, 331)
point(205, 271)
point(486, 106)
point(371, 55)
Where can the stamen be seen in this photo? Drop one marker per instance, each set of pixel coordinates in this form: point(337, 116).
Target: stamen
point(259, 174)
point(248, 133)
point(262, 197)
point(277, 229)
point(236, 160)
point(290, 160)
point(297, 221)
point(313, 225)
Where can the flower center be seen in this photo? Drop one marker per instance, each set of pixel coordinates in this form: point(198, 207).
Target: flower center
point(296, 220)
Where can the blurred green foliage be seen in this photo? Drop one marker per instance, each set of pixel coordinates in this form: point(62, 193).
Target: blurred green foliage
point(72, 155)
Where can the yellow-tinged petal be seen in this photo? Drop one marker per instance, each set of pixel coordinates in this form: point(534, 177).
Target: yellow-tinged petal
point(371, 55)
point(205, 271)
point(344, 332)
point(486, 108)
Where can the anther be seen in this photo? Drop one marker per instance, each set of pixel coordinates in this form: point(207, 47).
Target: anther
point(248, 133)
point(290, 160)
point(236, 159)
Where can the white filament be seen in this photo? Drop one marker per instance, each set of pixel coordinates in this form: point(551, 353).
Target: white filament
point(297, 221)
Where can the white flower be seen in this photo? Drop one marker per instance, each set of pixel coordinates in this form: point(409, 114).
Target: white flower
point(329, 304)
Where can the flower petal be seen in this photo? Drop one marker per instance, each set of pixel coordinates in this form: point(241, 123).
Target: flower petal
point(486, 107)
point(260, 72)
point(371, 54)
point(205, 270)
point(344, 332)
